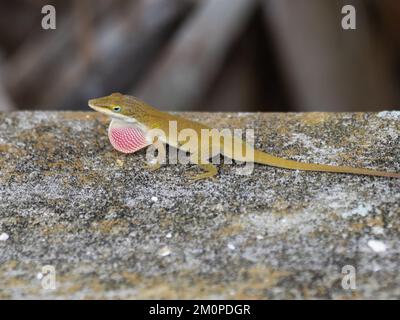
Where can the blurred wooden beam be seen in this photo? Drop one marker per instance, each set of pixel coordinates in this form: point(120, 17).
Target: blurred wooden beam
point(249, 79)
point(36, 66)
point(123, 47)
point(5, 102)
point(327, 67)
point(186, 70)
point(17, 23)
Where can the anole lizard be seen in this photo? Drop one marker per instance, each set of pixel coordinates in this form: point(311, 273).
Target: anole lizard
point(132, 119)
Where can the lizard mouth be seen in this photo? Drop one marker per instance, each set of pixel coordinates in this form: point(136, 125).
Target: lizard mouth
point(92, 104)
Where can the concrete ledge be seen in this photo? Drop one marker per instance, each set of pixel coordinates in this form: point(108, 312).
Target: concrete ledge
point(114, 230)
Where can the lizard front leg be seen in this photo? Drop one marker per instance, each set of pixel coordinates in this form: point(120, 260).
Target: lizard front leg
point(160, 147)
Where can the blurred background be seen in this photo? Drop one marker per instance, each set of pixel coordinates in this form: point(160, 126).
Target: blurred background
point(204, 55)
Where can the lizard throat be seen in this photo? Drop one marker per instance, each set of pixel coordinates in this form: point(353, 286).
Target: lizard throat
point(126, 137)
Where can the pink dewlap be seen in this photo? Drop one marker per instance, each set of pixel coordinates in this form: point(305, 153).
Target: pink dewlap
point(128, 139)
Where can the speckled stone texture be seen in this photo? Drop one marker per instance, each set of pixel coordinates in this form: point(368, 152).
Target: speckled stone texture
point(112, 229)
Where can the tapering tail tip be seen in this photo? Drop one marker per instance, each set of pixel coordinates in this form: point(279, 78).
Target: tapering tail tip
point(264, 158)
point(368, 172)
point(390, 174)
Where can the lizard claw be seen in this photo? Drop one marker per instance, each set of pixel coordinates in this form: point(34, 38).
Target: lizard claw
point(152, 167)
point(201, 176)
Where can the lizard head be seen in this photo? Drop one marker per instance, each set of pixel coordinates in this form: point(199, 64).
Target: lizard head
point(115, 105)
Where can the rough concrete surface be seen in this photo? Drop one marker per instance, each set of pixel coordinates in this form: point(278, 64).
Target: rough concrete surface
point(112, 229)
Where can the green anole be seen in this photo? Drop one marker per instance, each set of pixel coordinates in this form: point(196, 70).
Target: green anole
point(132, 119)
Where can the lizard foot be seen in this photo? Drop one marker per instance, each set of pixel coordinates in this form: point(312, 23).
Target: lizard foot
point(152, 167)
point(211, 172)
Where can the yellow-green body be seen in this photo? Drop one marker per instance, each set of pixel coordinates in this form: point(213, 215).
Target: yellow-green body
point(132, 110)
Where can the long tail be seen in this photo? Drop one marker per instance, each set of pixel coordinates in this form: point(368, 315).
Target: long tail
point(265, 158)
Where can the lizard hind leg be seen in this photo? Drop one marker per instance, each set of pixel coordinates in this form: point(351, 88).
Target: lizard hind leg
point(211, 172)
point(153, 167)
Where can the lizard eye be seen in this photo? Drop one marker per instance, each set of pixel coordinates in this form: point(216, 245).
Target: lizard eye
point(117, 109)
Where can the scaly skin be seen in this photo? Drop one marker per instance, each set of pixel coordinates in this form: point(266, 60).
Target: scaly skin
point(134, 112)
